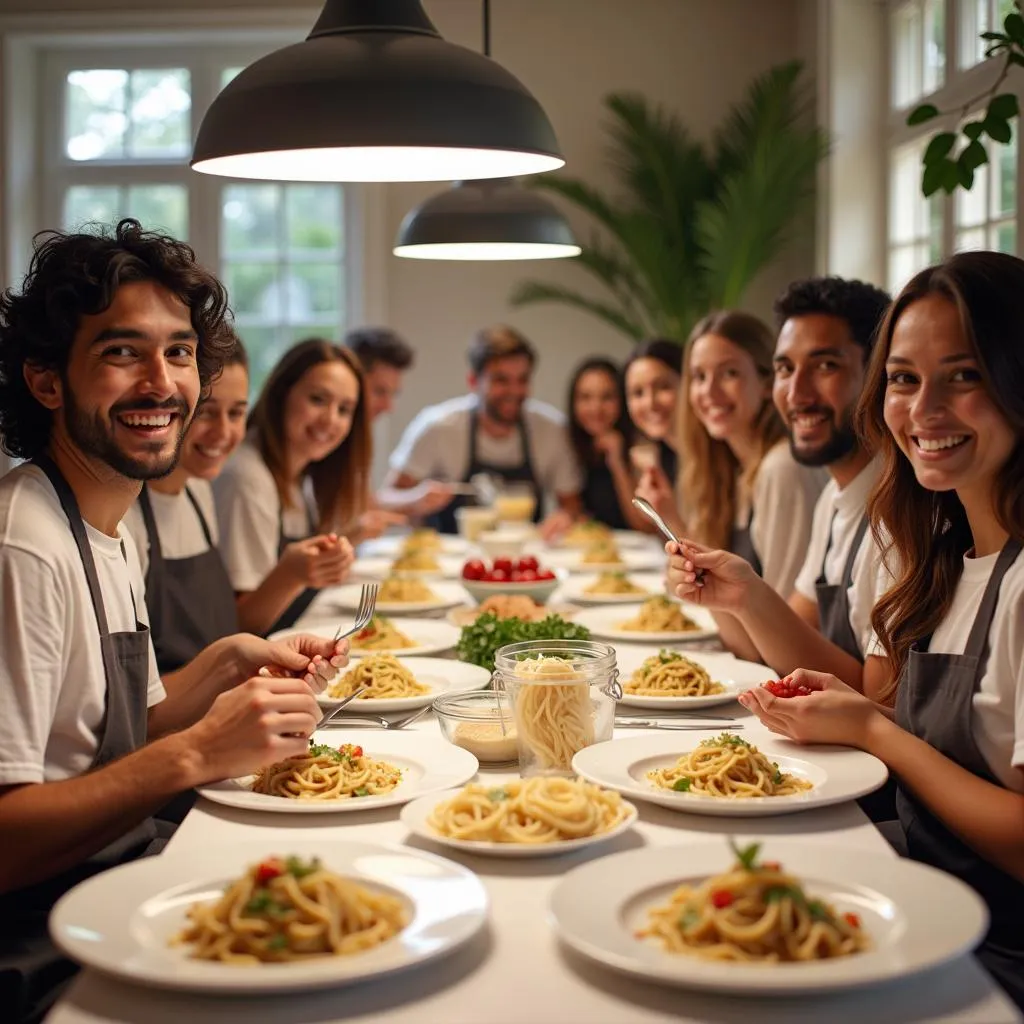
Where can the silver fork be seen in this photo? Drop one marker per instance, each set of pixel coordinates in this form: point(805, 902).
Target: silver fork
point(339, 707)
point(364, 614)
point(649, 510)
point(383, 723)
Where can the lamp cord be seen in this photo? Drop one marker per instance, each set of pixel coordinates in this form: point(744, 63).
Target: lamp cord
point(487, 27)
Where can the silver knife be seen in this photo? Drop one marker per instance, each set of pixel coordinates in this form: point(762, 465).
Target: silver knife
point(654, 723)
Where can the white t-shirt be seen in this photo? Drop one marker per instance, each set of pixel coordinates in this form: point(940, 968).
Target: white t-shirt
point(52, 684)
point(998, 721)
point(435, 445)
point(249, 518)
point(782, 502)
point(181, 533)
point(840, 512)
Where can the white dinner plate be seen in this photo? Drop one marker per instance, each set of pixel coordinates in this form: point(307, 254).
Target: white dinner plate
point(917, 917)
point(607, 623)
point(624, 539)
point(121, 922)
point(575, 589)
point(414, 816)
point(431, 636)
point(391, 546)
point(837, 774)
point(736, 676)
point(428, 763)
point(449, 567)
point(632, 560)
point(346, 598)
point(439, 674)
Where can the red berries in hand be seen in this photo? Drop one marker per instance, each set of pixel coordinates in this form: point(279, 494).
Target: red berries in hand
point(787, 688)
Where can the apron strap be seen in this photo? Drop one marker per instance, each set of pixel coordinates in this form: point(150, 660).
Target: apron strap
point(858, 539)
point(156, 553)
point(204, 526)
point(978, 639)
point(474, 422)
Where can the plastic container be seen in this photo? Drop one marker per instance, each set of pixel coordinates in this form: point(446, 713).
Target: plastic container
point(472, 719)
point(563, 695)
point(472, 521)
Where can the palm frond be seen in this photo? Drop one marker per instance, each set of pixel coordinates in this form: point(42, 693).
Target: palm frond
point(529, 292)
point(616, 272)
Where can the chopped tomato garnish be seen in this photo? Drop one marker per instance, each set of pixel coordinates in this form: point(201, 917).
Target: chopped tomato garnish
point(350, 751)
point(771, 865)
point(852, 920)
point(721, 898)
point(269, 869)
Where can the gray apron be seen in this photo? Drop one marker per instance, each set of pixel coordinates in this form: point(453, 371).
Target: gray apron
point(297, 608)
point(191, 601)
point(32, 971)
point(742, 543)
point(935, 703)
point(444, 521)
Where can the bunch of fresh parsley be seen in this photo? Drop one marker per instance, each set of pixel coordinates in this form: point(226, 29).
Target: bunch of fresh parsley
point(481, 639)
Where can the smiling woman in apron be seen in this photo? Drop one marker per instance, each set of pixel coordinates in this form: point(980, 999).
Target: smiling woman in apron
point(944, 406)
point(295, 483)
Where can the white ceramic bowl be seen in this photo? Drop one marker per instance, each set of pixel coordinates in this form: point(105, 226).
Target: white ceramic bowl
point(540, 590)
point(504, 543)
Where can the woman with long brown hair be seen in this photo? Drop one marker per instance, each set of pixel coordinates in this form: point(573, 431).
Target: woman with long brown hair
point(944, 405)
point(298, 481)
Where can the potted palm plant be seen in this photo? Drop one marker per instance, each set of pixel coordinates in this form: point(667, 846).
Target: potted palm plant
point(692, 225)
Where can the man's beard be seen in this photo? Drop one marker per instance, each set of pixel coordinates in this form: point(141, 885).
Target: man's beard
point(493, 411)
point(841, 443)
point(92, 435)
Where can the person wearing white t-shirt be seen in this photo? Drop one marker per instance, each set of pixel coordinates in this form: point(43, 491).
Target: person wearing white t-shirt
point(497, 430)
point(103, 357)
point(944, 407)
point(826, 327)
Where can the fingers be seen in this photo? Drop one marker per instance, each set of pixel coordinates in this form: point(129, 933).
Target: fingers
point(292, 723)
point(812, 680)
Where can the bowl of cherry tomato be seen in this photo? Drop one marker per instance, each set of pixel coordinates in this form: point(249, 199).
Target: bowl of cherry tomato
point(510, 576)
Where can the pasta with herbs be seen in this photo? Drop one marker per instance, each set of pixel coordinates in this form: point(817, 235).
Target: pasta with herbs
point(286, 909)
point(383, 675)
point(513, 606)
point(659, 615)
point(418, 560)
point(396, 590)
point(614, 583)
point(328, 773)
point(424, 539)
point(604, 552)
point(730, 768)
point(755, 913)
point(381, 634)
point(669, 674)
point(586, 533)
point(532, 811)
point(553, 713)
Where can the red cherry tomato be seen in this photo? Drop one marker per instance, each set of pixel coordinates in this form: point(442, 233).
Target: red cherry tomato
point(269, 869)
point(545, 574)
point(786, 688)
point(852, 920)
point(498, 576)
point(504, 564)
point(528, 575)
point(721, 898)
point(527, 563)
point(474, 570)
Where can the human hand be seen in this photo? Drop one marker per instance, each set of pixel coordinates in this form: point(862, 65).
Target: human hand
point(656, 488)
point(555, 525)
point(832, 713)
point(374, 521)
point(265, 719)
point(715, 579)
point(317, 562)
point(429, 497)
point(612, 446)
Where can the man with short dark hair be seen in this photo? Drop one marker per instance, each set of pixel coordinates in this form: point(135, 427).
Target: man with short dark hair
point(385, 356)
point(497, 430)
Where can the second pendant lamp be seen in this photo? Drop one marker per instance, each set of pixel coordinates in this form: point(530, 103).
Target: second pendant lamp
point(494, 219)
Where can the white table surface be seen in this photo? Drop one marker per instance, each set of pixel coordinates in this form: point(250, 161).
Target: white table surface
point(516, 971)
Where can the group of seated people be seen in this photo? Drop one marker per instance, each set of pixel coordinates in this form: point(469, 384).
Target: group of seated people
point(847, 489)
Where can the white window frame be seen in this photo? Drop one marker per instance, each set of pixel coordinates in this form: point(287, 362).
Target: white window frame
point(960, 86)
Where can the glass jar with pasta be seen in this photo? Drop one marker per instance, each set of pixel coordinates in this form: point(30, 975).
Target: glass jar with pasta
point(563, 695)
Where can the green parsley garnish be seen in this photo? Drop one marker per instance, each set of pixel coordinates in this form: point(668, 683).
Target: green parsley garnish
point(688, 918)
point(726, 739)
point(777, 893)
point(258, 902)
point(322, 750)
point(682, 785)
point(818, 910)
point(278, 942)
point(361, 791)
point(747, 857)
point(666, 657)
point(777, 777)
point(300, 868)
point(497, 795)
point(480, 640)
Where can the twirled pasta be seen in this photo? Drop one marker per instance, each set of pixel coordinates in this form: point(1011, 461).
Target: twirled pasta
point(533, 811)
point(753, 913)
point(423, 539)
point(416, 560)
point(398, 590)
point(328, 773)
point(659, 615)
point(381, 635)
point(287, 909)
point(614, 583)
point(669, 674)
point(730, 768)
point(604, 552)
point(553, 712)
point(586, 533)
point(383, 675)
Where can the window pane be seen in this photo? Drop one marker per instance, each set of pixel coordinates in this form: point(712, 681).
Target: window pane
point(88, 204)
point(906, 54)
point(971, 207)
point(255, 291)
point(330, 331)
point(973, 21)
point(227, 74)
point(1005, 239)
point(264, 346)
point(972, 239)
point(904, 262)
point(95, 119)
point(911, 216)
point(160, 207)
point(313, 217)
point(160, 110)
point(934, 44)
point(312, 291)
point(1004, 176)
point(250, 220)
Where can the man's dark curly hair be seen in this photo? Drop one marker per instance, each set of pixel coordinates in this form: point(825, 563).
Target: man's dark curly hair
point(861, 305)
point(76, 275)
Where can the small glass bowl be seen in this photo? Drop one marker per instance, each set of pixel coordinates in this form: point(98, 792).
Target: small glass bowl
point(471, 719)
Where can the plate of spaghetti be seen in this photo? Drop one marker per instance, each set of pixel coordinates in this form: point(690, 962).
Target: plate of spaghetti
point(385, 635)
point(391, 546)
point(366, 771)
point(279, 915)
point(536, 817)
point(606, 557)
point(726, 775)
point(779, 917)
point(420, 564)
point(663, 679)
point(657, 620)
point(612, 587)
point(398, 595)
point(400, 684)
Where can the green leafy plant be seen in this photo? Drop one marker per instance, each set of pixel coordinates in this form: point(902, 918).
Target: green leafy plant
point(952, 157)
point(481, 639)
point(692, 225)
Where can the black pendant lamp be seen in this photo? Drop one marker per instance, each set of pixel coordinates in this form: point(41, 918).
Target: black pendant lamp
point(486, 220)
point(375, 94)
